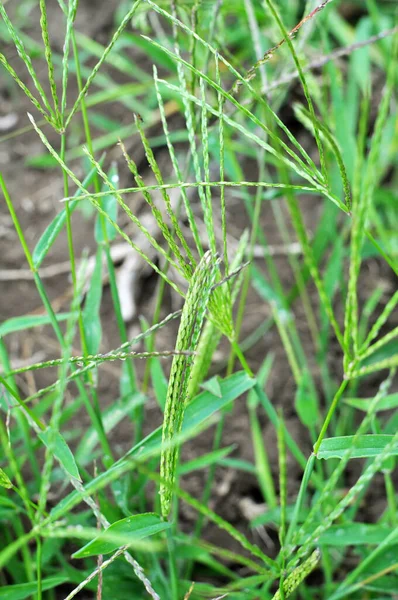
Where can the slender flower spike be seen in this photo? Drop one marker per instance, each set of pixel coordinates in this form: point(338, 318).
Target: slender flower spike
point(5, 480)
point(192, 318)
point(298, 575)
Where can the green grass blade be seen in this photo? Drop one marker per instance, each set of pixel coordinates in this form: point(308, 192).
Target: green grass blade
point(365, 446)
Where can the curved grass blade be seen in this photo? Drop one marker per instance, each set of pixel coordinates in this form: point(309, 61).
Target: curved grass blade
point(52, 231)
point(364, 446)
point(28, 321)
point(20, 591)
point(137, 527)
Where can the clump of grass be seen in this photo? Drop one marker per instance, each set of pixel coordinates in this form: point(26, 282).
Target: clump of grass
point(229, 125)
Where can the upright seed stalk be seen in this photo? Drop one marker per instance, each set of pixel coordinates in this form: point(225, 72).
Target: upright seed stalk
point(177, 393)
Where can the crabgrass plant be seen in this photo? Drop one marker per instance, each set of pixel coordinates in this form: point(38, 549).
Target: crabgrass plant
point(80, 516)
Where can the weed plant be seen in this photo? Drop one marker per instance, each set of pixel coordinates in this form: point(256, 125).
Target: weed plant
point(79, 517)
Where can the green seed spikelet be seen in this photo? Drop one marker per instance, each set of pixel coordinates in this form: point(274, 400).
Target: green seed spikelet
point(192, 317)
point(298, 575)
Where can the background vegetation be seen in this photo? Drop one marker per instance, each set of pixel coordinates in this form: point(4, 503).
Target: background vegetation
point(234, 123)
